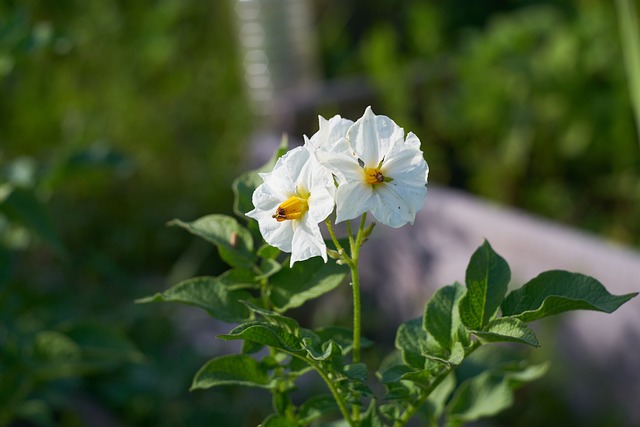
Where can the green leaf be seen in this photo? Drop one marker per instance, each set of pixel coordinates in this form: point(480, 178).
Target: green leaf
point(234, 242)
point(244, 186)
point(268, 252)
point(277, 421)
point(371, 417)
point(267, 334)
point(53, 346)
point(21, 206)
point(435, 404)
point(207, 293)
point(556, 291)
point(235, 369)
point(409, 339)
point(356, 371)
point(487, 279)
point(268, 267)
point(238, 278)
point(441, 317)
point(288, 323)
point(100, 342)
point(293, 286)
point(481, 396)
point(508, 329)
point(342, 336)
point(316, 407)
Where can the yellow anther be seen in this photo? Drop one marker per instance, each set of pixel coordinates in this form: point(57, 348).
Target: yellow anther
point(292, 208)
point(373, 176)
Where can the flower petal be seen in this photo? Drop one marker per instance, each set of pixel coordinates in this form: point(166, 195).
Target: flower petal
point(352, 199)
point(307, 241)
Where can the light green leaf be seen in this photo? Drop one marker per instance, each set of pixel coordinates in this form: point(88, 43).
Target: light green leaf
point(441, 317)
point(268, 252)
point(293, 286)
point(277, 421)
point(53, 346)
point(267, 334)
point(316, 407)
point(238, 278)
point(244, 186)
point(410, 338)
point(268, 267)
point(435, 404)
point(207, 293)
point(234, 242)
point(487, 278)
point(481, 396)
point(288, 323)
point(508, 329)
point(235, 369)
point(557, 291)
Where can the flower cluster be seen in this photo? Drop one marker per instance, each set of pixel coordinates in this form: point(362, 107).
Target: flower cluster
point(366, 166)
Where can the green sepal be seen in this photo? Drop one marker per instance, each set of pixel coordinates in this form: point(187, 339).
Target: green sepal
point(208, 293)
point(234, 242)
point(557, 291)
point(487, 278)
point(235, 369)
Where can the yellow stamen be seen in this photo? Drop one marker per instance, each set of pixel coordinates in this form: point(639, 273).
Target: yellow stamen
point(292, 208)
point(373, 176)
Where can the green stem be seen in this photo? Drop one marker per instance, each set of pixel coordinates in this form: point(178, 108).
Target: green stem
point(334, 391)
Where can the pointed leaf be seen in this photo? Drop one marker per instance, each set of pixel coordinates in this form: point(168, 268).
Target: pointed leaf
point(508, 329)
point(487, 278)
point(557, 291)
point(441, 317)
point(266, 334)
point(207, 293)
point(371, 417)
point(356, 371)
point(234, 242)
point(236, 369)
point(293, 286)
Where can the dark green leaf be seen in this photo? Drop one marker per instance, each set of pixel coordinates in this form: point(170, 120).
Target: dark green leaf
point(288, 323)
point(267, 334)
point(395, 373)
point(356, 371)
point(293, 286)
point(487, 279)
point(557, 291)
point(505, 329)
point(342, 336)
point(268, 267)
point(207, 293)
point(441, 317)
point(244, 186)
point(235, 369)
point(238, 278)
point(21, 206)
point(234, 242)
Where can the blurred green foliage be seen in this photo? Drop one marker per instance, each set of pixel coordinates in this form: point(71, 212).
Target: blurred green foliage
point(525, 103)
point(117, 116)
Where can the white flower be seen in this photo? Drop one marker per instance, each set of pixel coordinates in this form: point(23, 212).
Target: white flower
point(330, 133)
point(293, 198)
point(378, 171)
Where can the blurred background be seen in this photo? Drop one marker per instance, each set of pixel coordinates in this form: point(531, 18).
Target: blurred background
point(118, 116)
